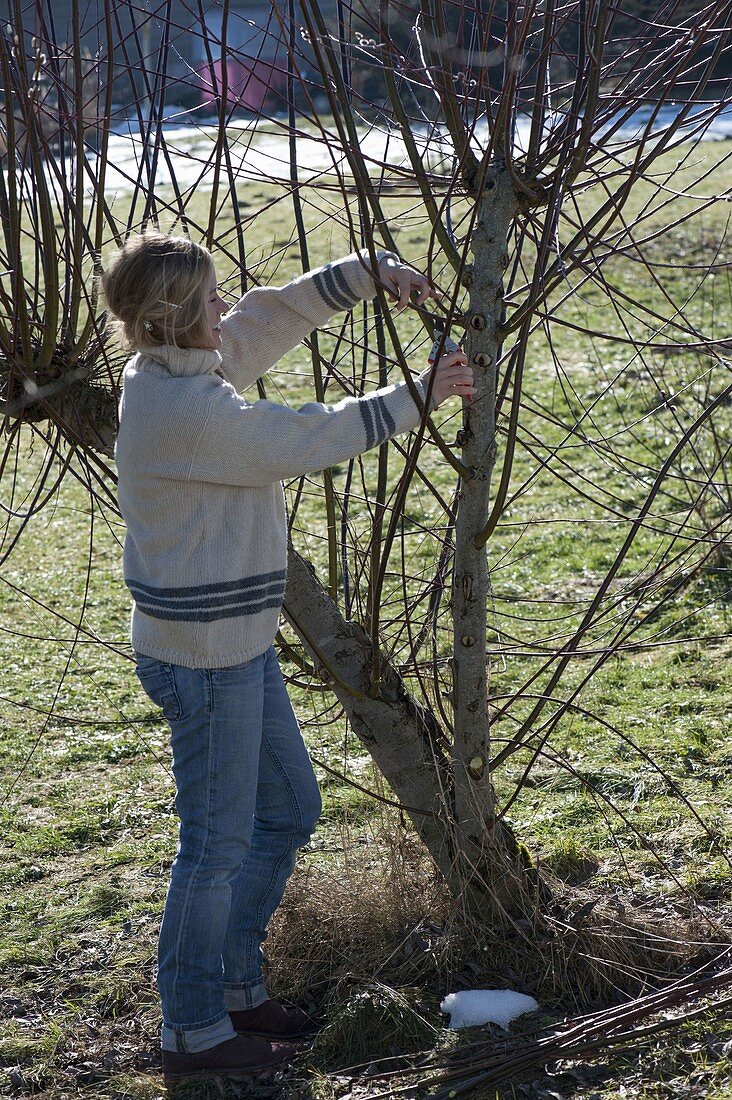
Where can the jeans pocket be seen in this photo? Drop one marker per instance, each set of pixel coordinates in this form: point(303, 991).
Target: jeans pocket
point(158, 682)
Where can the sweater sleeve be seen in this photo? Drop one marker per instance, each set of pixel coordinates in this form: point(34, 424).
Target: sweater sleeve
point(260, 443)
point(268, 321)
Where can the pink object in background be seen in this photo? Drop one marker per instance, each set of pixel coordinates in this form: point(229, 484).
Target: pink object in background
point(248, 82)
point(248, 50)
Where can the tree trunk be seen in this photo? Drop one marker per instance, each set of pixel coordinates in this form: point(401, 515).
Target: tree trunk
point(491, 857)
point(403, 738)
point(486, 872)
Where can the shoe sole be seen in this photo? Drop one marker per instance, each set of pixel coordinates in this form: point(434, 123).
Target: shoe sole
point(278, 1037)
point(253, 1074)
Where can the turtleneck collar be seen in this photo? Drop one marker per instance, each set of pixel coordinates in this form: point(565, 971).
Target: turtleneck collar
point(181, 361)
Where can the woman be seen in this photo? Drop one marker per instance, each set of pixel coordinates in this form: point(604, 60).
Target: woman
point(205, 557)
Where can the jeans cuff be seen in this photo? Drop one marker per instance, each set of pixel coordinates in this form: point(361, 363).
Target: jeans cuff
point(239, 998)
point(193, 1041)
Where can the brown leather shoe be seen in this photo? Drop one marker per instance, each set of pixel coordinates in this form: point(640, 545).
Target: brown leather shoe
point(271, 1020)
point(235, 1057)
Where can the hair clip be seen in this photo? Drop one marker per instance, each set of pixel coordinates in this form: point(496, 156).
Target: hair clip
point(147, 325)
point(170, 305)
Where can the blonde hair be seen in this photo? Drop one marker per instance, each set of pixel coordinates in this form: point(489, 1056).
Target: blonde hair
point(156, 287)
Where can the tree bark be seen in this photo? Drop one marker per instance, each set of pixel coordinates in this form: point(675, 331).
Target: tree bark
point(487, 873)
point(491, 857)
point(403, 738)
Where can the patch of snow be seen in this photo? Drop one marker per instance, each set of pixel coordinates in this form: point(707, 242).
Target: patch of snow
point(473, 1007)
point(259, 150)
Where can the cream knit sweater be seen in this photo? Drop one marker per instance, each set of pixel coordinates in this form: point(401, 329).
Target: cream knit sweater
point(200, 467)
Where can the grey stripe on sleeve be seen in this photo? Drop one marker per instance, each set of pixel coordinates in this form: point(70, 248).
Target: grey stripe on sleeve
point(378, 420)
point(390, 421)
point(328, 289)
point(342, 281)
point(384, 419)
point(368, 423)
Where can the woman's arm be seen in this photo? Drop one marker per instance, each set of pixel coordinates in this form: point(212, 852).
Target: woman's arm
point(268, 321)
point(257, 444)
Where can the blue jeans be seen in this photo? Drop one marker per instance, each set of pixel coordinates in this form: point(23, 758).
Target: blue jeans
point(247, 799)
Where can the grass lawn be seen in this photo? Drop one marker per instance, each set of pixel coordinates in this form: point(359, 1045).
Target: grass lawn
point(628, 800)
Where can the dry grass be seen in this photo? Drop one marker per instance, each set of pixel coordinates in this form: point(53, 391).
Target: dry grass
point(383, 914)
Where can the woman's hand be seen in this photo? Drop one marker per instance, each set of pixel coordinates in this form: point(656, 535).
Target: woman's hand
point(403, 282)
point(452, 378)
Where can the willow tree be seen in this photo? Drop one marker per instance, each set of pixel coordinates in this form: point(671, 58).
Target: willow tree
point(540, 144)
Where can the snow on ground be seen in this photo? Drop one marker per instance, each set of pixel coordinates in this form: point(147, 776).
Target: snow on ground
point(261, 151)
point(473, 1007)
point(255, 152)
